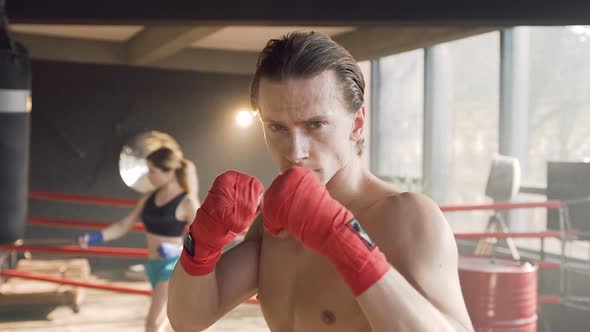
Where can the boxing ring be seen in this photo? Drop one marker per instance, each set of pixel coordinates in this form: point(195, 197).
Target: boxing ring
point(75, 250)
point(139, 253)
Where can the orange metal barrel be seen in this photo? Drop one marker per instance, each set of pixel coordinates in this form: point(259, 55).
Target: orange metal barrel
point(500, 294)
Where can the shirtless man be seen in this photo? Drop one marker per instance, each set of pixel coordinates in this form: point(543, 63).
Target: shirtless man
point(312, 265)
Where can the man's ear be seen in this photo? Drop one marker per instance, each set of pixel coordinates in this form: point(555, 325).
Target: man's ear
point(358, 124)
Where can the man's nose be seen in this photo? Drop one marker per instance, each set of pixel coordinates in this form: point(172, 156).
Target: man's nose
point(298, 150)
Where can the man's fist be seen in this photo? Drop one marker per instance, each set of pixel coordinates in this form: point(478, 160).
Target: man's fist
point(228, 210)
point(299, 202)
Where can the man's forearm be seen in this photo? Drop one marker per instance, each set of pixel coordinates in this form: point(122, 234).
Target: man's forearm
point(193, 301)
point(196, 302)
point(393, 304)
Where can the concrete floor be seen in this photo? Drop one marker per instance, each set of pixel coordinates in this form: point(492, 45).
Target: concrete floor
point(108, 311)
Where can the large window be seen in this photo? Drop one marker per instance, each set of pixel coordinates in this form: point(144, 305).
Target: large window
point(475, 93)
point(559, 116)
point(398, 118)
point(559, 113)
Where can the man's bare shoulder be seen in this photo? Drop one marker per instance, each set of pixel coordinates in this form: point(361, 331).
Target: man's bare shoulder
point(408, 211)
point(415, 236)
point(410, 225)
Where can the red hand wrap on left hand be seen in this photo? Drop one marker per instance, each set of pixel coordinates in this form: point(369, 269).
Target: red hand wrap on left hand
point(299, 202)
point(228, 210)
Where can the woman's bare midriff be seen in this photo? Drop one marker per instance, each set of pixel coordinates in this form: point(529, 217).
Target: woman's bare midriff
point(154, 241)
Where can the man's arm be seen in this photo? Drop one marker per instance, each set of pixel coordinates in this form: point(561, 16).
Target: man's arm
point(416, 240)
point(196, 302)
point(422, 291)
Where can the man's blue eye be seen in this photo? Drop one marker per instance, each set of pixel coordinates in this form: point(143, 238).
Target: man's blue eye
point(275, 127)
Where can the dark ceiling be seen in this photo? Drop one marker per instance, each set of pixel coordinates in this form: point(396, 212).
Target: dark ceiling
point(327, 12)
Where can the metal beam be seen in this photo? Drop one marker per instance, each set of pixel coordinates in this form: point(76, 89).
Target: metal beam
point(437, 122)
point(373, 42)
point(513, 131)
point(514, 94)
point(207, 60)
point(71, 50)
point(162, 47)
point(112, 53)
point(155, 43)
point(375, 110)
point(327, 12)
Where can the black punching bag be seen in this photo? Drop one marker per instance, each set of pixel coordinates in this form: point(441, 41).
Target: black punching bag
point(15, 82)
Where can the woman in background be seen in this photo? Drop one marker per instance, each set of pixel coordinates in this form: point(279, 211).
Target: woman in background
point(165, 212)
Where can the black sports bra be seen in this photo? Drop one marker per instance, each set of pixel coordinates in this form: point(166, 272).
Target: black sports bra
point(161, 220)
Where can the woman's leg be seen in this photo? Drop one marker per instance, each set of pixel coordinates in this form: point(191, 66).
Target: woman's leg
point(157, 320)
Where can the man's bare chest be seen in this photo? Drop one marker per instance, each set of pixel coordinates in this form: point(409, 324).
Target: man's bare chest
point(301, 291)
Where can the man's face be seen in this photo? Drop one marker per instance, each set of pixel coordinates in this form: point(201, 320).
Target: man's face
point(305, 123)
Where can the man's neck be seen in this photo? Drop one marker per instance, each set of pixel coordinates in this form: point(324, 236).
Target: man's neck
point(348, 183)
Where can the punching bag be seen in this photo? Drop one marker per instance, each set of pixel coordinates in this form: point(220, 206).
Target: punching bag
point(15, 82)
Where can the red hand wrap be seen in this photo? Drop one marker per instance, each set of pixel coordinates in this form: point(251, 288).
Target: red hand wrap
point(299, 202)
point(228, 210)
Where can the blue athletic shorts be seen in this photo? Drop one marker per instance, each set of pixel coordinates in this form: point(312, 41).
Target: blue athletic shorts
point(159, 270)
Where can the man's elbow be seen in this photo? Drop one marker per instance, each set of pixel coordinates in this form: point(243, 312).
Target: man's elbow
point(179, 327)
point(186, 323)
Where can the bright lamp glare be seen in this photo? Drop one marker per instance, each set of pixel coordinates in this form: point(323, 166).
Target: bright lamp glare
point(244, 118)
point(29, 103)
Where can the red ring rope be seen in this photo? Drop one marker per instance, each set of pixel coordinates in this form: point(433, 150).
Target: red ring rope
point(77, 250)
point(45, 195)
point(59, 222)
point(26, 275)
point(505, 235)
point(85, 284)
point(142, 253)
point(549, 299)
point(501, 206)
